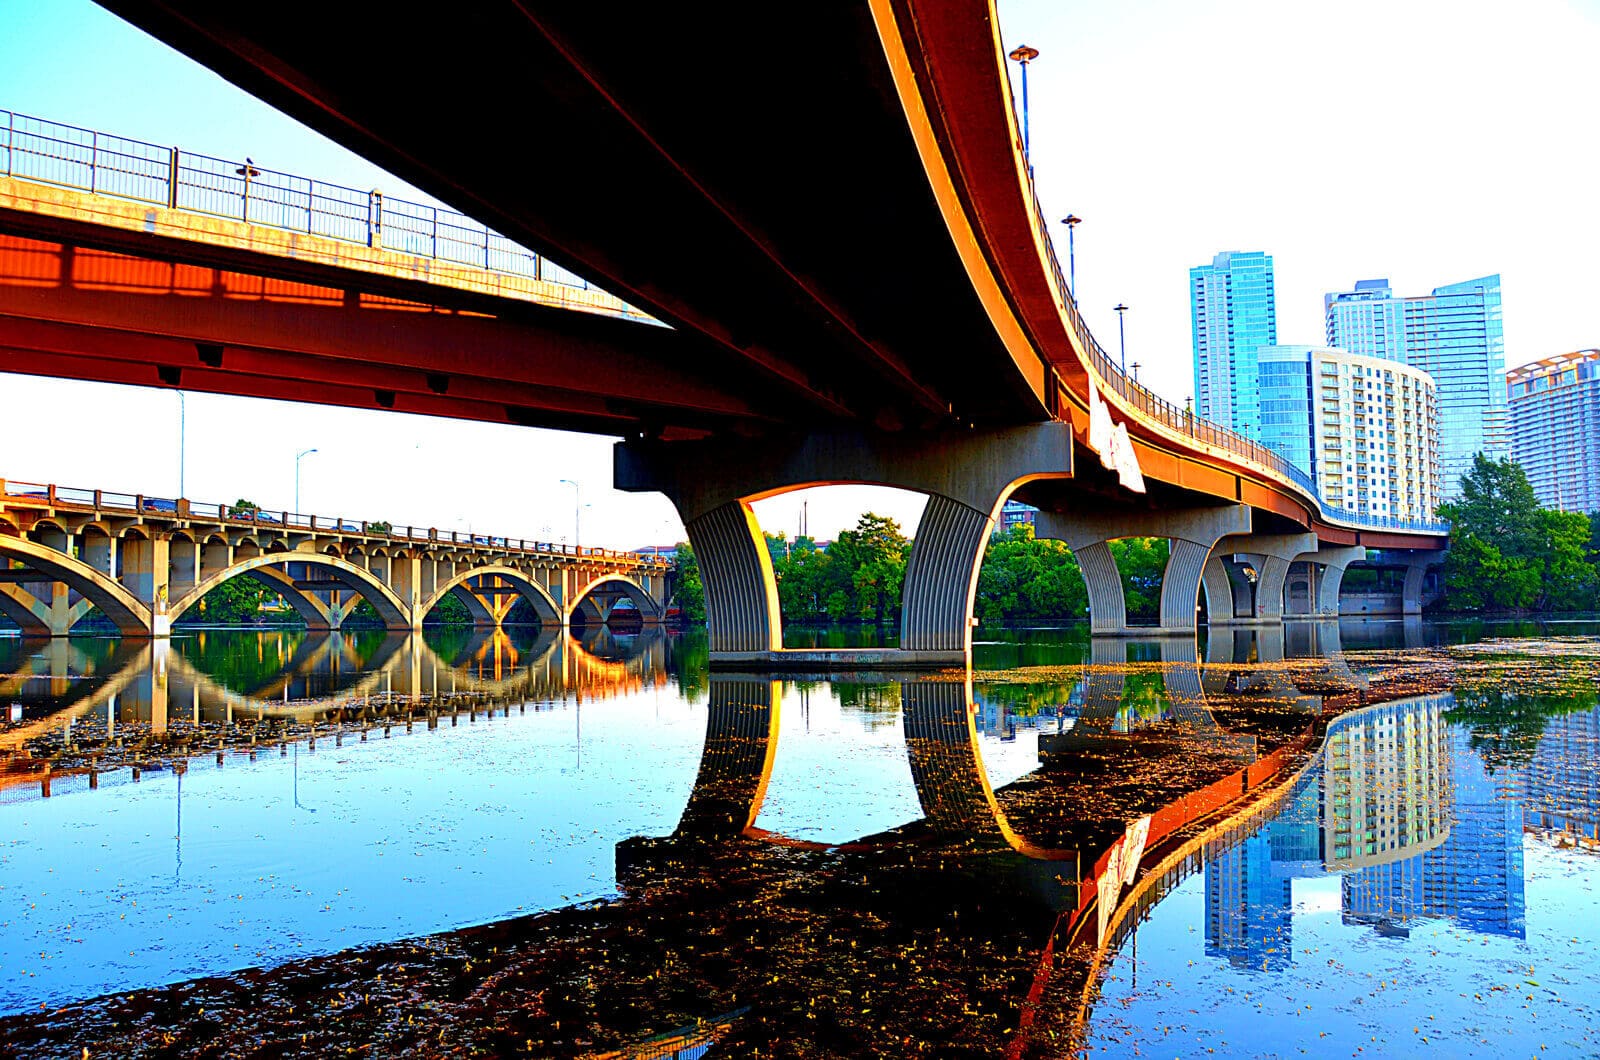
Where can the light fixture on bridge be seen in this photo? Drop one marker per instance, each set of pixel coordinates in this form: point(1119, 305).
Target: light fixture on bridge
point(1024, 55)
point(1122, 336)
point(301, 455)
point(1072, 221)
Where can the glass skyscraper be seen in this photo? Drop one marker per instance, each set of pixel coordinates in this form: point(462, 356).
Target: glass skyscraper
point(1555, 428)
point(1456, 336)
point(1233, 310)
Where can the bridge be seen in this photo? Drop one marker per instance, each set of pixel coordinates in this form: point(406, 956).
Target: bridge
point(143, 562)
point(859, 287)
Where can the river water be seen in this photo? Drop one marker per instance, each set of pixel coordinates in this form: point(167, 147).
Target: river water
point(1374, 837)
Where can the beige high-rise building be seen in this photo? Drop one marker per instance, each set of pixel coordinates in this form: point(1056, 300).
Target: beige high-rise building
point(1375, 435)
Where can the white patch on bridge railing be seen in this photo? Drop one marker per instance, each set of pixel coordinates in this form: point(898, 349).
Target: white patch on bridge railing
point(1111, 441)
point(1122, 868)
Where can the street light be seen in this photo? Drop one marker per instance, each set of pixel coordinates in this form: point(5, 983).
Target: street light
point(1135, 371)
point(1072, 221)
point(1025, 55)
point(1122, 336)
point(577, 507)
point(301, 455)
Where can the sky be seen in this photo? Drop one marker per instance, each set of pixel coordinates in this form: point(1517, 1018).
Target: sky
point(1423, 142)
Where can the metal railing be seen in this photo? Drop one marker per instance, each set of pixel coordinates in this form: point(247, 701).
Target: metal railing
point(66, 156)
point(1110, 377)
point(181, 508)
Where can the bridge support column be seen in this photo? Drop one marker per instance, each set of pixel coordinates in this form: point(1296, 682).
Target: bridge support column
point(146, 568)
point(966, 475)
point(736, 570)
point(1322, 597)
point(1191, 533)
point(1271, 555)
point(1416, 572)
point(405, 581)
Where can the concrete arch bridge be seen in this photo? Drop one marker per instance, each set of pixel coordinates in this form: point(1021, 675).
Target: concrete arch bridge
point(144, 562)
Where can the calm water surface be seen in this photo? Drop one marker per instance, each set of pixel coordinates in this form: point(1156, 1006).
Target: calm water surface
point(1423, 869)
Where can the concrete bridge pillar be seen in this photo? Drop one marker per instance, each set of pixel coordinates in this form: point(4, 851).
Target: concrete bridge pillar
point(405, 580)
point(966, 476)
point(1322, 598)
point(1191, 532)
point(100, 552)
point(146, 570)
point(736, 570)
point(1270, 555)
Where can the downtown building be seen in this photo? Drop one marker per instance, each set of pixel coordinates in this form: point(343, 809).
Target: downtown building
point(1555, 428)
point(1233, 312)
point(1456, 336)
point(1366, 430)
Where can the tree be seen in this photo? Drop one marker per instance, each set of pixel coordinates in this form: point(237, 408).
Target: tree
point(868, 565)
point(690, 593)
point(1143, 563)
point(1496, 540)
point(235, 601)
point(1508, 553)
point(1026, 579)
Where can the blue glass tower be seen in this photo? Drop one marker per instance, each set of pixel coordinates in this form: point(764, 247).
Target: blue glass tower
point(1456, 335)
point(1233, 310)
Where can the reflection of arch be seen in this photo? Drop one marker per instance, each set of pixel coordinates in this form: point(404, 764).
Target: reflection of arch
point(612, 585)
point(119, 605)
point(736, 763)
point(1103, 718)
point(947, 768)
point(127, 664)
point(544, 605)
point(375, 592)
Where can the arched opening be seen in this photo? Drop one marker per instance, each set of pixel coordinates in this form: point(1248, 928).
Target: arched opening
point(603, 597)
point(490, 595)
point(320, 587)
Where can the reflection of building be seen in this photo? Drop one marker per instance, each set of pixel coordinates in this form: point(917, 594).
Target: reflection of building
point(1555, 428)
point(1474, 877)
point(1247, 906)
point(1560, 788)
point(1386, 791)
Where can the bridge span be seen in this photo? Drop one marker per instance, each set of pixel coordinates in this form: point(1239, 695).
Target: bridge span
point(859, 287)
point(143, 562)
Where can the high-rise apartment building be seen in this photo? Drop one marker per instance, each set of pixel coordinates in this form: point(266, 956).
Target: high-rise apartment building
point(1555, 428)
point(1456, 336)
point(1365, 429)
point(1233, 309)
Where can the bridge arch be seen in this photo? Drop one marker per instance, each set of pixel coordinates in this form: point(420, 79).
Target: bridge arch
point(588, 606)
point(389, 606)
point(544, 605)
point(126, 611)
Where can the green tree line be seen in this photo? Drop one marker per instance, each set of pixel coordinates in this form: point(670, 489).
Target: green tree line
point(1507, 553)
point(859, 577)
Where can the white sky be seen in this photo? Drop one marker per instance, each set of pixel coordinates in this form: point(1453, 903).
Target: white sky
point(1425, 142)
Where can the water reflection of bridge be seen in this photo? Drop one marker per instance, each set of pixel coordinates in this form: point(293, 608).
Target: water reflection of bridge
point(1008, 896)
point(64, 697)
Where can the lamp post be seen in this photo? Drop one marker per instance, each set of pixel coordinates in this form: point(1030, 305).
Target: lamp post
point(301, 455)
point(577, 507)
point(1122, 336)
point(1025, 55)
point(1135, 371)
point(1072, 221)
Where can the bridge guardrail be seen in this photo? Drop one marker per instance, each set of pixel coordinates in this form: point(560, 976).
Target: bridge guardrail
point(67, 156)
point(139, 504)
point(1110, 377)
